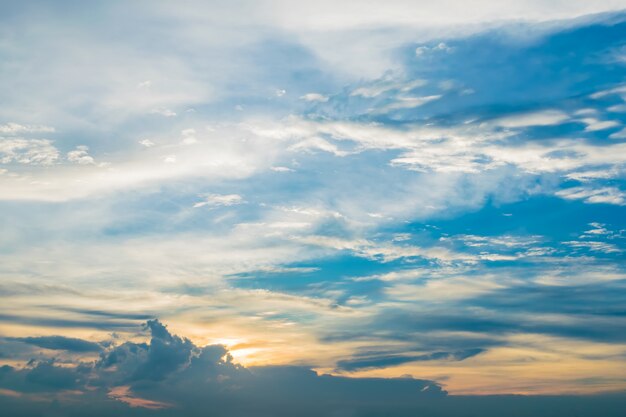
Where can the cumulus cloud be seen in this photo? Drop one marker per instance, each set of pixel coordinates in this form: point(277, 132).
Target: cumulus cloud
point(422, 50)
point(80, 156)
point(28, 151)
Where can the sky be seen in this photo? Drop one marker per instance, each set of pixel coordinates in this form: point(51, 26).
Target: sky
point(353, 208)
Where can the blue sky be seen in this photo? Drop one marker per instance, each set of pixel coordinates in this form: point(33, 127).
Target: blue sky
point(430, 195)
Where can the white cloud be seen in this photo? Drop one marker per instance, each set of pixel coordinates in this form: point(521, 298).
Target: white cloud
point(611, 91)
point(314, 97)
point(594, 125)
point(507, 241)
point(281, 169)
point(618, 108)
point(608, 195)
point(444, 159)
point(379, 87)
point(237, 150)
point(80, 156)
point(231, 151)
point(147, 143)
point(164, 112)
point(600, 230)
point(452, 288)
point(317, 143)
point(595, 246)
point(597, 229)
point(15, 128)
point(408, 103)
point(215, 200)
point(387, 252)
point(586, 176)
point(467, 148)
point(28, 151)
point(189, 136)
point(619, 134)
point(586, 112)
point(440, 47)
point(539, 118)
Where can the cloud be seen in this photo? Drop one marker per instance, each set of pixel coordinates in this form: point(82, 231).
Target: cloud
point(422, 50)
point(594, 125)
point(164, 112)
point(384, 361)
point(66, 323)
point(123, 394)
point(281, 169)
point(540, 118)
point(28, 151)
point(164, 355)
point(408, 103)
point(80, 156)
point(601, 195)
point(15, 128)
point(211, 157)
point(314, 97)
point(147, 143)
point(215, 200)
point(386, 84)
point(594, 246)
point(621, 134)
point(60, 343)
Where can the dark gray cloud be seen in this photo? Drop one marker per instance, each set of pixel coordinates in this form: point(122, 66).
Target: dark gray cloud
point(69, 323)
point(43, 376)
point(60, 343)
point(383, 361)
point(165, 354)
point(103, 313)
